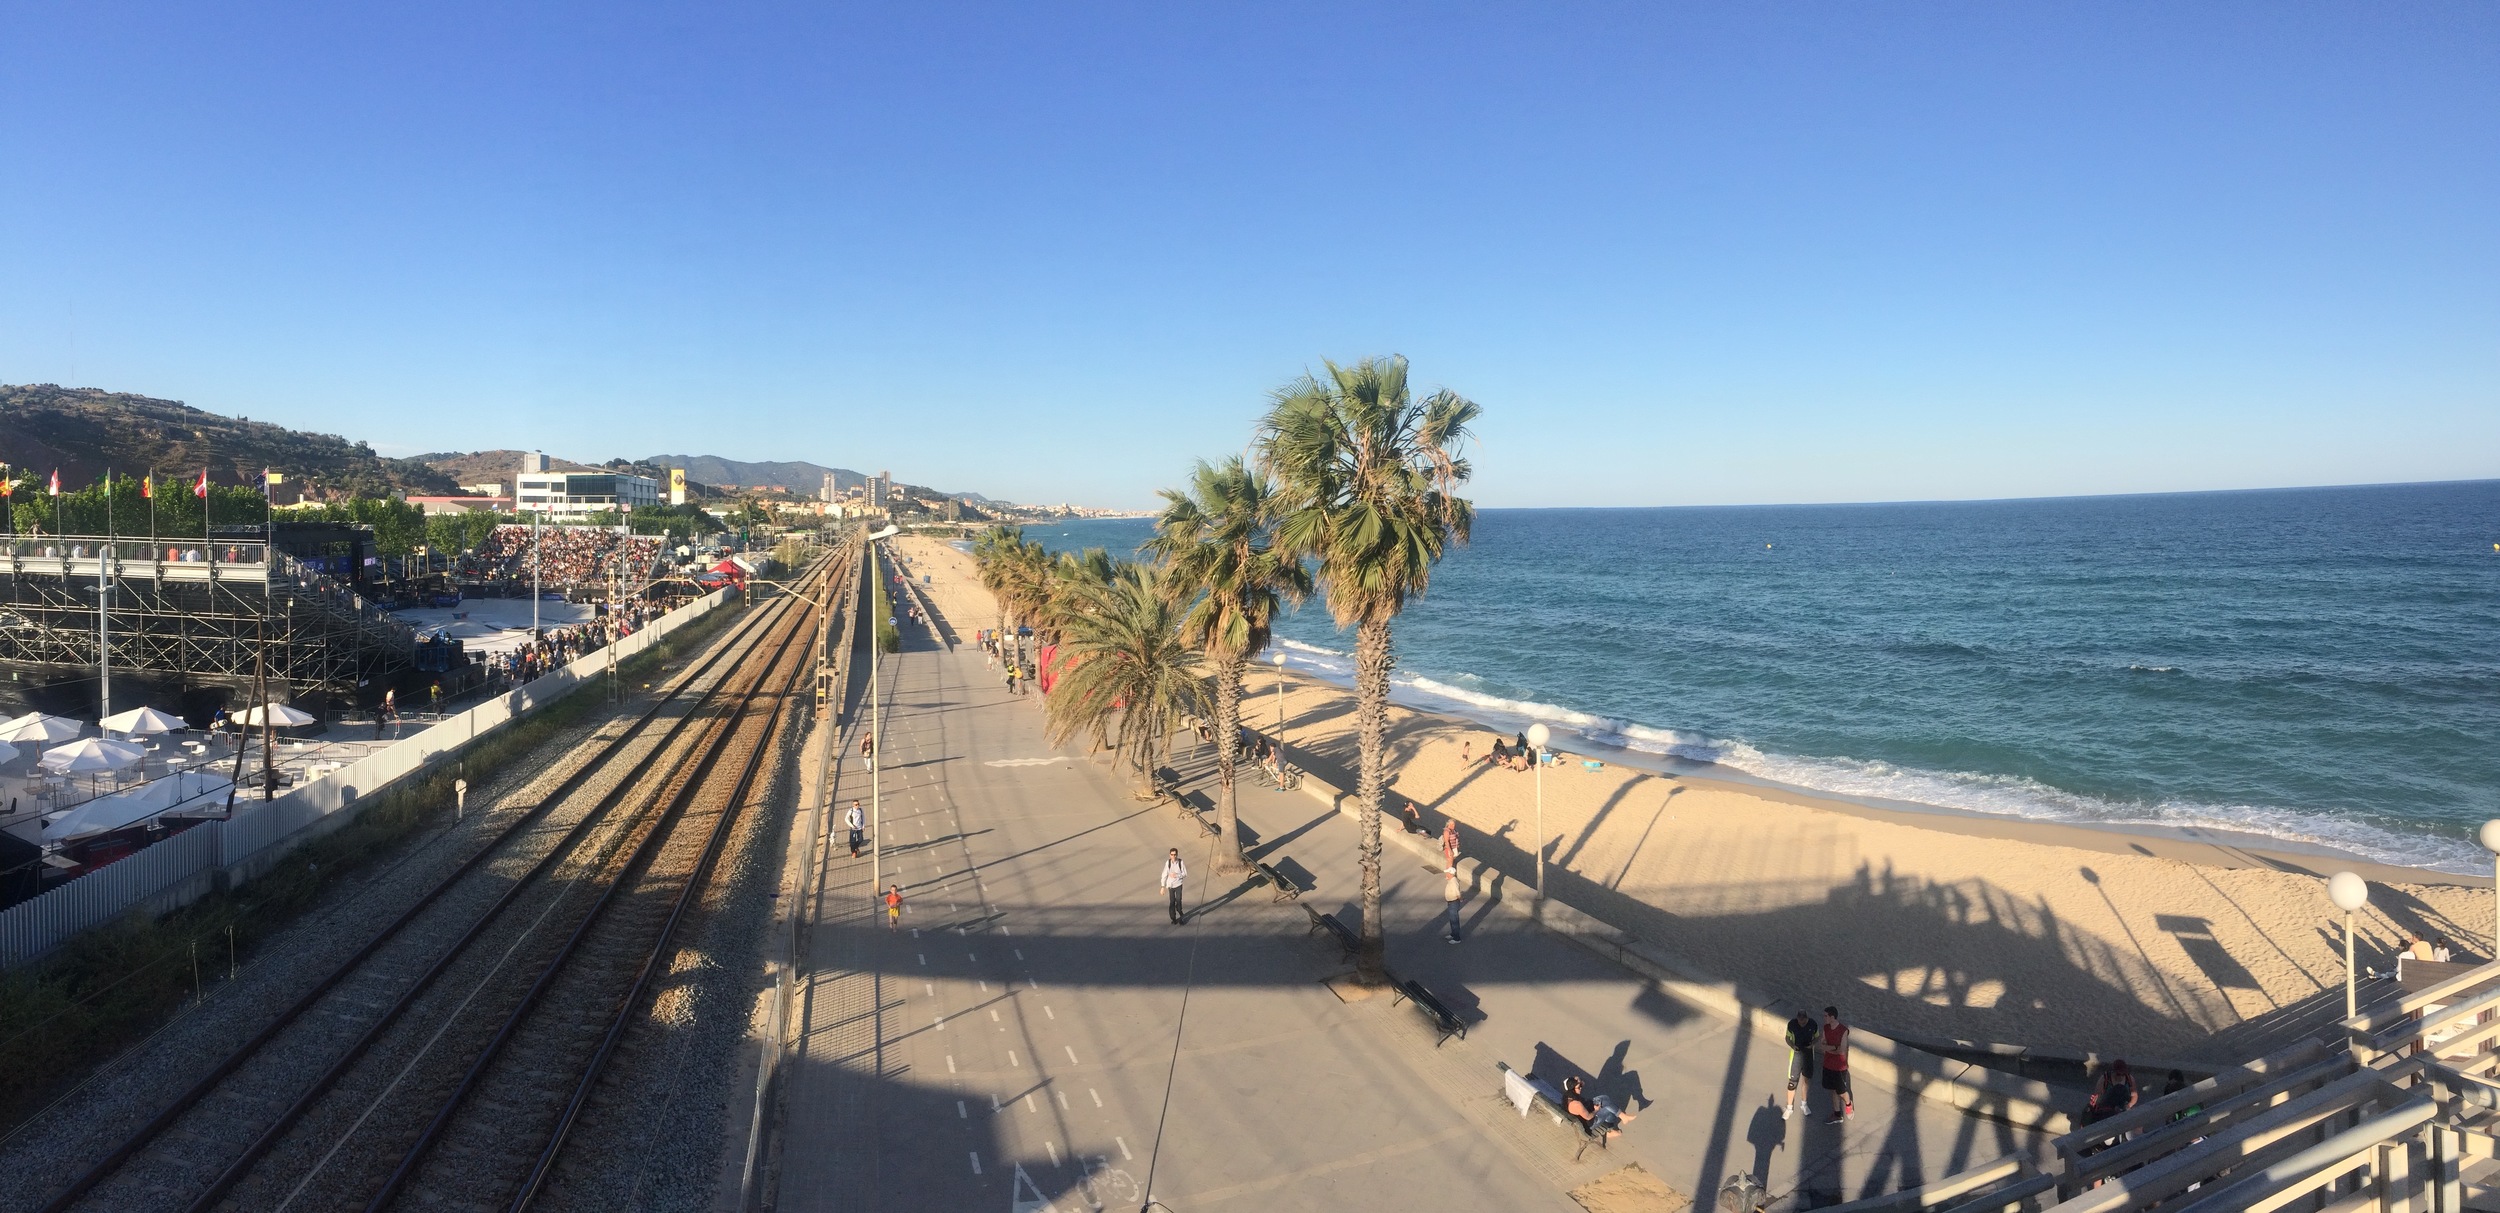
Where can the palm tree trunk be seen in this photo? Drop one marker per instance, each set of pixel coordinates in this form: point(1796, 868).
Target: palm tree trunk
point(1372, 660)
point(1228, 857)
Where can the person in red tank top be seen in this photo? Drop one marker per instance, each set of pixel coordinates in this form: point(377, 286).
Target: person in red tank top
point(1835, 1050)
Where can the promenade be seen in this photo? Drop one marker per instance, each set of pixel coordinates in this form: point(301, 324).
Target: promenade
point(1035, 1034)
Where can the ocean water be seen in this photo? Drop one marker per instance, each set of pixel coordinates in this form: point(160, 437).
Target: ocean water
point(2315, 665)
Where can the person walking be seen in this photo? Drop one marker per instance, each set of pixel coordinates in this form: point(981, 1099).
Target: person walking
point(1175, 875)
point(1451, 895)
point(868, 751)
point(1835, 1050)
point(856, 822)
point(893, 906)
point(1801, 1041)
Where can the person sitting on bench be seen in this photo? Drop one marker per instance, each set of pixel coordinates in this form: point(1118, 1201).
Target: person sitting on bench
point(1576, 1102)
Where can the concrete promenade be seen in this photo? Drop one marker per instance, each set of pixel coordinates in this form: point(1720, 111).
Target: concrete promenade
point(1036, 1034)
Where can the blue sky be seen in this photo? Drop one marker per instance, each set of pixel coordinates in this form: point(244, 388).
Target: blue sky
point(1682, 254)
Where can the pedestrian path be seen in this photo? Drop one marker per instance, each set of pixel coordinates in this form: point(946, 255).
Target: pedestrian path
point(1035, 1034)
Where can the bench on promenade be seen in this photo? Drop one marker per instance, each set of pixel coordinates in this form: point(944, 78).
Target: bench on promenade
point(1346, 938)
point(1284, 886)
point(1425, 1001)
point(1529, 1093)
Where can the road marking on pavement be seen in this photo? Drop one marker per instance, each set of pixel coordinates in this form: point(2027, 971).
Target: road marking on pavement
point(961, 1113)
point(1011, 1059)
point(1124, 1149)
point(1018, 951)
point(1018, 1202)
point(1028, 1101)
point(1063, 1098)
point(985, 987)
point(1072, 1055)
point(1096, 1094)
point(973, 957)
point(950, 1063)
point(1054, 1152)
point(1047, 1011)
point(924, 959)
point(928, 989)
point(941, 1023)
point(976, 1162)
point(993, 1015)
point(1024, 762)
point(993, 1101)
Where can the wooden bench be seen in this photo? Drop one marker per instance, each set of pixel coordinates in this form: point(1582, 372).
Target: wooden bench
point(1443, 1021)
point(1285, 888)
point(1528, 1093)
point(1346, 938)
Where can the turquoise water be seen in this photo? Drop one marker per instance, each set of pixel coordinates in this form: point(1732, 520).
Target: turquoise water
point(2317, 665)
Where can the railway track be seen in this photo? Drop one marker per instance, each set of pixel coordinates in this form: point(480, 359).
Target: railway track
point(450, 1056)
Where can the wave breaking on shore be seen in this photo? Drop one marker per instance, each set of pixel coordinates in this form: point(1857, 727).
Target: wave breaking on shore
point(1855, 779)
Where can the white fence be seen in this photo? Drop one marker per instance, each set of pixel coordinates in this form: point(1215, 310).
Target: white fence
point(187, 866)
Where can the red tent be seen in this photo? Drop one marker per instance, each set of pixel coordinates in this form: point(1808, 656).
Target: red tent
point(732, 570)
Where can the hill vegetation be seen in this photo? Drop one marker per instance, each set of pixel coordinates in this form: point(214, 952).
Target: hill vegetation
point(83, 431)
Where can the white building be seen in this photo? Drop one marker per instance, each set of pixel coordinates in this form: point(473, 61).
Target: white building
point(575, 496)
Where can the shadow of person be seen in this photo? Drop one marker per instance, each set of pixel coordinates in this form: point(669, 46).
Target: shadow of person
point(1613, 1079)
point(1553, 1067)
point(1768, 1134)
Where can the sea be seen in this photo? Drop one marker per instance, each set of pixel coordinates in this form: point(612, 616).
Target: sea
point(2317, 666)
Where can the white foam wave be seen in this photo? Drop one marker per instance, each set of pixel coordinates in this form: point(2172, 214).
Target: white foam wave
point(2002, 795)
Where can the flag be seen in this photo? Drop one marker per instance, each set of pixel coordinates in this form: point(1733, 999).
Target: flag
point(270, 477)
point(200, 490)
point(56, 482)
point(147, 487)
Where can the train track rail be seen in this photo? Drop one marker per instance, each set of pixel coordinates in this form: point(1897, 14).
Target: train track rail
point(452, 1054)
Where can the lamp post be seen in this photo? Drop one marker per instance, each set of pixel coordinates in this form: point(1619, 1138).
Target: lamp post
point(2349, 893)
point(1277, 659)
point(2490, 837)
point(1538, 735)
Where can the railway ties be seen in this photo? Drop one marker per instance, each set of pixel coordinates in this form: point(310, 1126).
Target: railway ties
point(449, 1056)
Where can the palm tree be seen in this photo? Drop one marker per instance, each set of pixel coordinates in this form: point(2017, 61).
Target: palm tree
point(1367, 477)
point(1016, 571)
point(1124, 675)
point(1215, 540)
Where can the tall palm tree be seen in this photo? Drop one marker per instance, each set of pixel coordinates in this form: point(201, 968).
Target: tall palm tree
point(1215, 540)
point(1124, 675)
point(1368, 477)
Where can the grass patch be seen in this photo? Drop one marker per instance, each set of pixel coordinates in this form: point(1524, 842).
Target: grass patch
point(113, 985)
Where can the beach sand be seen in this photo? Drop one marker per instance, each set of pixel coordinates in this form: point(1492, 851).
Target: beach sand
point(1931, 925)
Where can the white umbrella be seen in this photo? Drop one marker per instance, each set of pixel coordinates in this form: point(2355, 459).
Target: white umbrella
point(37, 727)
point(280, 715)
point(143, 720)
point(92, 754)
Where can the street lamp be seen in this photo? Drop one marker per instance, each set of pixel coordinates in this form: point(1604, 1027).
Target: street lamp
point(1538, 735)
point(2349, 893)
point(1277, 659)
point(2490, 836)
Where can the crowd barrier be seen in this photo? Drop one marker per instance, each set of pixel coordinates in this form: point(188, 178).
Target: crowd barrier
point(214, 854)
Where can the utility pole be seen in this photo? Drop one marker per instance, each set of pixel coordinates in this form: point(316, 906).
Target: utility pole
point(876, 717)
point(104, 629)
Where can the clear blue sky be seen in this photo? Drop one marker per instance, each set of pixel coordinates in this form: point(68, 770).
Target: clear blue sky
point(1682, 253)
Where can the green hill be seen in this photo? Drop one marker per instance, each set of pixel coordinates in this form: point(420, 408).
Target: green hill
point(83, 431)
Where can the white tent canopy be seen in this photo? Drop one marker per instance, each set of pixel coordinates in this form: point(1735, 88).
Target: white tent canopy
point(37, 727)
point(92, 754)
point(153, 798)
point(143, 720)
point(280, 715)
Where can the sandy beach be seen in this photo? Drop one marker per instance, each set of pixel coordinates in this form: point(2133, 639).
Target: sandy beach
point(1921, 924)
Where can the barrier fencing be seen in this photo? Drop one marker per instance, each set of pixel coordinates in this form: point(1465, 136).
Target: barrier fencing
point(222, 854)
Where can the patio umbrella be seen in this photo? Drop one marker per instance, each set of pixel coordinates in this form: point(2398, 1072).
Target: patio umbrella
point(90, 755)
point(143, 720)
point(37, 727)
point(280, 715)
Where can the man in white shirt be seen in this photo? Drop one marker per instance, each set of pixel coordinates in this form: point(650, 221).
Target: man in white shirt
point(1175, 875)
point(853, 819)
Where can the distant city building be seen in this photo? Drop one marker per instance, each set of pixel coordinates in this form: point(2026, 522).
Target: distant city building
point(880, 490)
point(535, 461)
point(463, 505)
point(575, 496)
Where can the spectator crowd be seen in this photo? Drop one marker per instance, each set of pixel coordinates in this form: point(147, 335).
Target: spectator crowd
point(568, 555)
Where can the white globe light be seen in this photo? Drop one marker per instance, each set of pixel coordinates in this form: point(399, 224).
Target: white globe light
point(1277, 658)
point(2490, 835)
point(1538, 735)
point(2348, 891)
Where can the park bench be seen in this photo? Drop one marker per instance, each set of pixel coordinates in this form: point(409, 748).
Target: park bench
point(1346, 938)
point(1528, 1093)
point(1425, 1001)
point(1286, 889)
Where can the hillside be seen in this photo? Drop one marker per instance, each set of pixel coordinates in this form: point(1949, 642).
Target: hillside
point(83, 431)
point(477, 467)
point(798, 476)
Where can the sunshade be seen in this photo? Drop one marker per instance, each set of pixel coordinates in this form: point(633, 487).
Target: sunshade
point(153, 798)
point(280, 715)
point(91, 754)
point(143, 720)
point(35, 726)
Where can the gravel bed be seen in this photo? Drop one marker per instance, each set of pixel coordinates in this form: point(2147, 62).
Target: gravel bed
point(651, 1140)
point(55, 1146)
